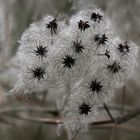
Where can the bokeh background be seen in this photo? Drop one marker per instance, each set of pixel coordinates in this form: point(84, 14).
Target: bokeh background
point(15, 17)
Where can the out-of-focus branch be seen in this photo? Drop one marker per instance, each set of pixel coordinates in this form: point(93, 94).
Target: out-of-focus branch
point(118, 120)
point(123, 98)
point(128, 117)
point(7, 30)
point(53, 111)
point(128, 128)
point(103, 124)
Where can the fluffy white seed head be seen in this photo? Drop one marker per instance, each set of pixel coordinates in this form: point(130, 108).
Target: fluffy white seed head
point(126, 50)
point(33, 77)
point(78, 113)
point(95, 86)
point(67, 64)
point(85, 56)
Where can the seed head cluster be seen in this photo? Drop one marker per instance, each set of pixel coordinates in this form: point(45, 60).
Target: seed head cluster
point(84, 57)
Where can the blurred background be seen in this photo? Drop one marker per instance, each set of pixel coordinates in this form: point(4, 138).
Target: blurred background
point(22, 117)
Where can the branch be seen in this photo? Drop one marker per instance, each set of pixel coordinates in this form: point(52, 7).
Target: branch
point(128, 117)
point(58, 120)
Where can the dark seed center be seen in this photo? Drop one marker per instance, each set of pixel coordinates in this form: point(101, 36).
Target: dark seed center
point(84, 109)
point(107, 54)
point(78, 47)
point(101, 40)
point(96, 17)
point(52, 26)
point(38, 73)
point(114, 67)
point(95, 86)
point(124, 48)
point(40, 51)
point(68, 61)
point(83, 25)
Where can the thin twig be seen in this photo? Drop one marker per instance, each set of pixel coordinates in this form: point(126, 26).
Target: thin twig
point(108, 112)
